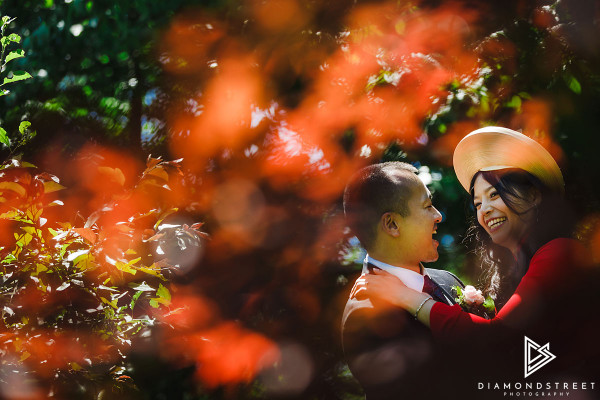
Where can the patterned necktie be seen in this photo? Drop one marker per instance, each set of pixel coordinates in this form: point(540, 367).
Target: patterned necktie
point(433, 289)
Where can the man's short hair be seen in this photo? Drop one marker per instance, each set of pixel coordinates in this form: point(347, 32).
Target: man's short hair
point(375, 190)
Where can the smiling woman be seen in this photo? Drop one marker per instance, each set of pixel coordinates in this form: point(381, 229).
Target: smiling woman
point(515, 212)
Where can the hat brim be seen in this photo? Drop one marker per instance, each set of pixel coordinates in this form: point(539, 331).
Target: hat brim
point(494, 148)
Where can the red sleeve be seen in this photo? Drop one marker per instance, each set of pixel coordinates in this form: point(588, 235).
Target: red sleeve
point(548, 269)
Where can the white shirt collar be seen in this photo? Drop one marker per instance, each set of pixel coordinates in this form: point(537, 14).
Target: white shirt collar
point(410, 278)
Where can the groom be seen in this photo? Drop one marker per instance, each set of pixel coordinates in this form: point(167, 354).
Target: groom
point(392, 354)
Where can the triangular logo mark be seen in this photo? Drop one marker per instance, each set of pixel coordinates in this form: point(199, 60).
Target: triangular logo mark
point(536, 356)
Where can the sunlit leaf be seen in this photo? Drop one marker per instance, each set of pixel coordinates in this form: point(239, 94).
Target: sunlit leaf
point(4, 137)
point(164, 296)
point(112, 303)
point(142, 287)
point(125, 267)
point(13, 37)
point(75, 366)
point(92, 219)
point(515, 102)
point(14, 186)
point(51, 186)
point(17, 76)
point(32, 230)
point(165, 215)
point(73, 256)
point(85, 261)
point(114, 174)
point(55, 203)
point(86, 233)
point(23, 126)
point(135, 298)
point(574, 84)
point(13, 55)
point(41, 268)
point(159, 172)
point(152, 271)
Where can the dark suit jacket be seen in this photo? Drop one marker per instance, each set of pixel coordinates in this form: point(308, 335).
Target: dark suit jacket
point(390, 353)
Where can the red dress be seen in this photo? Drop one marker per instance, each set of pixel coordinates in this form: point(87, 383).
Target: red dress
point(556, 302)
point(551, 280)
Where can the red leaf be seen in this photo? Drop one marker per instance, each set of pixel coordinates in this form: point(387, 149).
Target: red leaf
point(87, 234)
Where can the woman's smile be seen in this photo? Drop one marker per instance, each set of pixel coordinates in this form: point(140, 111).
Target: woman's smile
point(493, 224)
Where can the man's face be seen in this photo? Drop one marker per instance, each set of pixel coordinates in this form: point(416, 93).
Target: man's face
point(417, 229)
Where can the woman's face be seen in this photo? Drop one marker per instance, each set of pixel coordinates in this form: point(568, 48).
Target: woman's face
point(505, 227)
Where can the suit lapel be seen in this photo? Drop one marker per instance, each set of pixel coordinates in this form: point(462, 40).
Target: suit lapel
point(444, 282)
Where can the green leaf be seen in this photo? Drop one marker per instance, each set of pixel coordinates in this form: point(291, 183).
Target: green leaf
point(135, 298)
point(164, 296)
point(489, 305)
point(13, 37)
point(574, 84)
point(23, 126)
point(515, 102)
point(458, 290)
point(14, 54)
point(4, 137)
point(17, 76)
point(85, 261)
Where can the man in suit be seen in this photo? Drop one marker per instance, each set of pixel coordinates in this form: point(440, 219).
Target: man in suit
point(392, 354)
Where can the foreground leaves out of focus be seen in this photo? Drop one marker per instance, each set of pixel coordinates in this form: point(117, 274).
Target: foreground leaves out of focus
point(75, 291)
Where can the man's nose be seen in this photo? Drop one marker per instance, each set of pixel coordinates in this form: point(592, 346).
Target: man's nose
point(438, 216)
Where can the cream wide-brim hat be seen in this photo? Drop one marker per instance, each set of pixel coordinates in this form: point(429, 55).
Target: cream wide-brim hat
point(493, 148)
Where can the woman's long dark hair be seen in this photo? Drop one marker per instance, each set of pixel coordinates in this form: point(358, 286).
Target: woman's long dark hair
point(552, 218)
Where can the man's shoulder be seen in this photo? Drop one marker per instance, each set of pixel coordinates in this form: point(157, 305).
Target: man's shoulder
point(444, 277)
point(362, 311)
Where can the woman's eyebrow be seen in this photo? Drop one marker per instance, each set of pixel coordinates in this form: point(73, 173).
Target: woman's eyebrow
point(484, 191)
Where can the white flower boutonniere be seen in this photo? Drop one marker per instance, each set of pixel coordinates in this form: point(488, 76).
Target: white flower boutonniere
point(472, 300)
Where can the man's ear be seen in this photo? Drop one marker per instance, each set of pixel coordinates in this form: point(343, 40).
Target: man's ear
point(390, 224)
